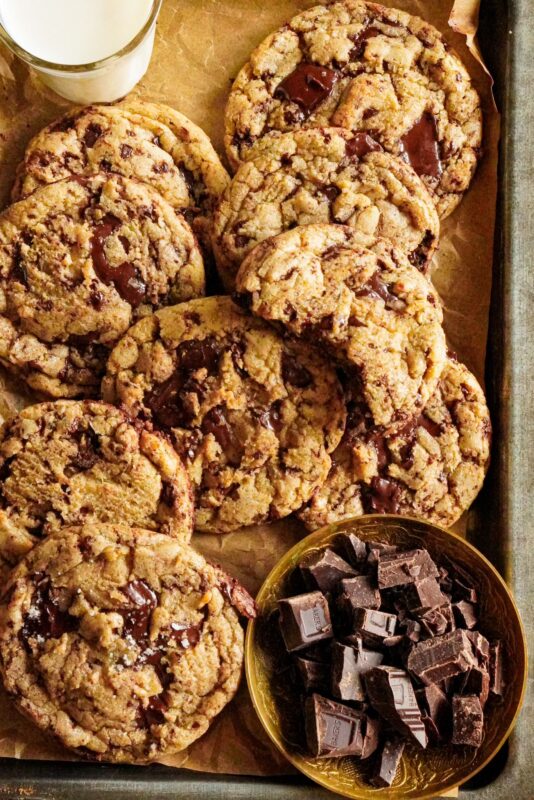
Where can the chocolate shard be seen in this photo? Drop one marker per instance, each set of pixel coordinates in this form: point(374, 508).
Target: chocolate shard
point(360, 592)
point(314, 674)
point(372, 626)
point(399, 569)
point(465, 614)
point(467, 721)
point(388, 763)
point(481, 647)
point(423, 596)
point(437, 621)
point(304, 620)
point(391, 693)
point(463, 587)
point(353, 548)
point(434, 660)
point(324, 570)
point(411, 628)
point(475, 682)
point(371, 737)
point(374, 552)
point(495, 669)
point(332, 729)
point(434, 703)
point(348, 665)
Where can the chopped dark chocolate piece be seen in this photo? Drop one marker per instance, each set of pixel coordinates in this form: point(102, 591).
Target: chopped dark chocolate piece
point(462, 583)
point(465, 614)
point(372, 727)
point(438, 621)
point(373, 626)
point(495, 669)
point(304, 619)
point(435, 704)
point(391, 693)
point(375, 550)
point(423, 596)
point(353, 548)
point(387, 766)
point(348, 665)
point(360, 592)
point(398, 569)
point(315, 675)
point(411, 628)
point(332, 729)
point(467, 721)
point(323, 570)
point(475, 682)
point(434, 660)
point(481, 647)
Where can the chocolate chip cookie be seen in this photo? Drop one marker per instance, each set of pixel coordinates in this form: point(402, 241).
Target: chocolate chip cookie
point(71, 462)
point(147, 141)
point(253, 415)
point(121, 642)
point(318, 176)
point(364, 301)
point(370, 69)
point(433, 468)
point(80, 261)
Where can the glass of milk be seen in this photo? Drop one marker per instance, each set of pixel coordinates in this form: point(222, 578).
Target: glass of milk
point(89, 51)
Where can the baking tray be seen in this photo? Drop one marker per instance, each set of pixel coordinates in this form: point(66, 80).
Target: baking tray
point(504, 513)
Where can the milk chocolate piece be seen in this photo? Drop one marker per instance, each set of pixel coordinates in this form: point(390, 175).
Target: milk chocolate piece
point(371, 737)
point(348, 665)
point(391, 693)
point(332, 729)
point(467, 721)
point(435, 704)
point(399, 569)
point(434, 660)
point(465, 614)
point(314, 674)
point(324, 570)
point(423, 596)
point(360, 592)
point(495, 669)
point(373, 626)
point(304, 619)
point(353, 548)
point(388, 764)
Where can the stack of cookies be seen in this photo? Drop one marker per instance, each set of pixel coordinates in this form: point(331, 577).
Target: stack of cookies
point(317, 382)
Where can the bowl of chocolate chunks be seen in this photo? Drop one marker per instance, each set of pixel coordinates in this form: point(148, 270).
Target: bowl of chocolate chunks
point(388, 656)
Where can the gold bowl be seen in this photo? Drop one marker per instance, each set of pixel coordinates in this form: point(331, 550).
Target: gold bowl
point(421, 774)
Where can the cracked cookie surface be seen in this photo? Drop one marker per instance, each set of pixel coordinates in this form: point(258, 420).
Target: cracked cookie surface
point(80, 261)
point(253, 415)
point(72, 462)
point(322, 175)
point(121, 642)
point(146, 141)
point(364, 301)
point(433, 469)
point(369, 69)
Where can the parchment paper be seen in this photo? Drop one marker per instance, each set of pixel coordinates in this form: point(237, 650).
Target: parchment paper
point(200, 46)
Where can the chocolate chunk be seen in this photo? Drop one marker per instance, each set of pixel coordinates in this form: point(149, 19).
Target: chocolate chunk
point(92, 133)
point(434, 660)
point(353, 548)
point(467, 721)
point(373, 626)
point(360, 40)
point(372, 728)
point(382, 496)
point(332, 729)
point(124, 277)
point(361, 144)
point(324, 569)
point(387, 766)
point(438, 621)
point(412, 629)
point(376, 288)
point(154, 713)
point(420, 147)
point(200, 354)
point(307, 86)
point(462, 583)
point(495, 669)
point(438, 709)
point(476, 681)
point(216, 422)
point(423, 596)
point(136, 616)
point(348, 665)
point(237, 595)
point(359, 592)
point(391, 693)
point(481, 647)
point(46, 618)
point(315, 675)
point(465, 614)
point(294, 373)
point(304, 619)
point(399, 569)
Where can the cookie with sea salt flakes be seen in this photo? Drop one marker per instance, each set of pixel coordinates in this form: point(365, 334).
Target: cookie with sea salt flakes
point(70, 462)
point(317, 176)
point(253, 414)
point(433, 468)
point(370, 69)
point(80, 261)
point(149, 142)
point(363, 301)
point(122, 643)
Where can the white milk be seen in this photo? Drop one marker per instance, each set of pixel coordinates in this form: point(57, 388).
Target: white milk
point(79, 32)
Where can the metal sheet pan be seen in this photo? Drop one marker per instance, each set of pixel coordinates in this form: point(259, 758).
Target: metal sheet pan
point(505, 510)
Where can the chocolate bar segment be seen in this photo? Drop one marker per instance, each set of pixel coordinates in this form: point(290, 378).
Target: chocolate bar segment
point(391, 693)
point(332, 729)
point(467, 721)
point(348, 665)
point(360, 592)
point(323, 570)
point(434, 660)
point(399, 569)
point(389, 761)
point(372, 626)
point(424, 595)
point(304, 620)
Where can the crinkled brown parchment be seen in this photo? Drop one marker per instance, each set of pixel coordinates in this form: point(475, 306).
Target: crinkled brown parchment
point(201, 44)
